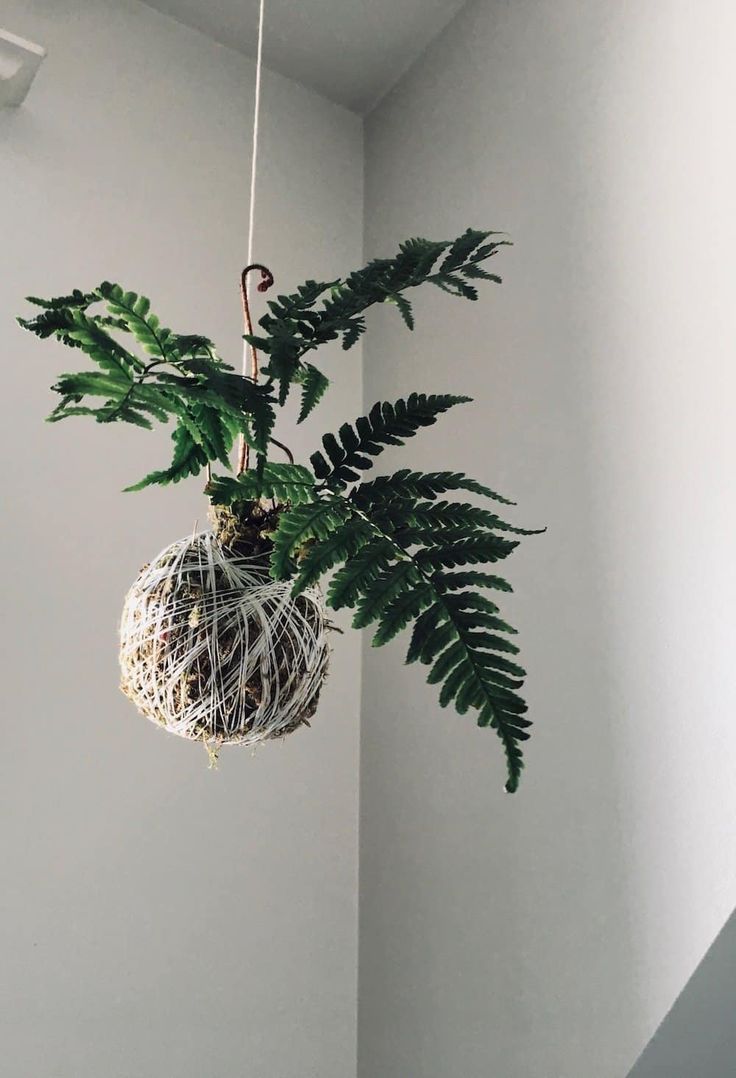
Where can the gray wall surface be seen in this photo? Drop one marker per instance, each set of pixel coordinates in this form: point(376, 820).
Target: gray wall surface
point(698, 1036)
point(159, 919)
point(545, 935)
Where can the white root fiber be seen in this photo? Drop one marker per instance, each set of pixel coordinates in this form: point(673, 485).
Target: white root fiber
point(212, 648)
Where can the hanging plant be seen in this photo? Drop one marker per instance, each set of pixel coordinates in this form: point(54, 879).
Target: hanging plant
point(223, 635)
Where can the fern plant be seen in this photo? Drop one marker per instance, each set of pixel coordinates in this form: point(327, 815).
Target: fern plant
point(404, 551)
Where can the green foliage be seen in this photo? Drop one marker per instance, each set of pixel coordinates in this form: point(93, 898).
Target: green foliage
point(390, 545)
point(292, 483)
point(159, 375)
point(408, 484)
point(189, 459)
point(385, 424)
point(319, 312)
point(167, 376)
point(302, 525)
point(399, 553)
point(314, 385)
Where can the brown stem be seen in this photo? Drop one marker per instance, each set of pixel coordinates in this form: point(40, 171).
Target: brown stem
point(265, 283)
point(285, 448)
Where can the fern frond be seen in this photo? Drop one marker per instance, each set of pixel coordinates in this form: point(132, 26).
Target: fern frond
point(386, 588)
point(394, 578)
point(299, 525)
point(385, 424)
point(314, 385)
point(342, 545)
point(473, 675)
point(135, 310)
point(401, 611)
point(471, 551)
point(319, 313)
point(416, 485)
point(405, 308)
point(358, 574)
point(468, 579)
point(78, 299)
point(289, 483)
point(448, 517)
point(189, 459)
point(462, 248)
point(177, 376)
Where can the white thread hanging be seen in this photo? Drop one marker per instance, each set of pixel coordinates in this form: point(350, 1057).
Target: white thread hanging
point(211, 648)
point(254, 160)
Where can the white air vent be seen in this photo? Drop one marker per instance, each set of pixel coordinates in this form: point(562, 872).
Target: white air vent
point(19, 62)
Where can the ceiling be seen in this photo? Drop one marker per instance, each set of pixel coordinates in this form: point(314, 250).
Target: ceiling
point(351, 51)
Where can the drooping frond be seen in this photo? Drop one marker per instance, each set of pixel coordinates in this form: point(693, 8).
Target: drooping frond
point(78, 299)
point(314, 385)
point(162, 376)
point(302, 525)
point(399, 562)
point(327, 311)
point(189, 459)
point(441, 518)
point(385, 424)
point(398, 550)
point(429, 485)
point(288, 483)
point(340, 547)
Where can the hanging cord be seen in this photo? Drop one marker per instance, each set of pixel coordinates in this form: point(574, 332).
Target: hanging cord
point(250, 358)
point(256, 120)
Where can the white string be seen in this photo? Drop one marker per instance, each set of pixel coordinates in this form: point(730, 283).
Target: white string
point(213, 649)
point(254, 163)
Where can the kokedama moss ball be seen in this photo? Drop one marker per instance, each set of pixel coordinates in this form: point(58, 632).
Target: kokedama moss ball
point(212, 648)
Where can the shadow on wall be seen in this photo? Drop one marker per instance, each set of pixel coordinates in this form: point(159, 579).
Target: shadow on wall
point(555, 927)
point(698, 1036)
point(493, 927)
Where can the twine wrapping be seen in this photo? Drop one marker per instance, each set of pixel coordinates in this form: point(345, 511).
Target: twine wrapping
point(212, 648)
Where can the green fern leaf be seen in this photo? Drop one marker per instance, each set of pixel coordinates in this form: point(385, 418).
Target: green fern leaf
point(106, 352)
point(384, 590)
point(462, 248)
point(402, 610)
point(406, 484)
point(135, 310)
point(472, 551)
point(314, 385)
point(434, 518)
point(189, 459)
point(288, 483)
point(341, 546)
point(468, 579)
point(354, 330)
point(456, 286)
point(214, 435)
point(299, 525)
point(358, 574)
point(386, 424)
point(318, 313)
point(477, 273)
point(78, 299)
point(405, 308)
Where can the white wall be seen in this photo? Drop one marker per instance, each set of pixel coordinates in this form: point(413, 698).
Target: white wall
point(161, 919)
point(546, 934)
point(158, 918)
